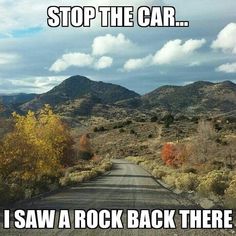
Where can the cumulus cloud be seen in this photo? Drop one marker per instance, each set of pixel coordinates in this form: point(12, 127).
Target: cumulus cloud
point(103, 62)
point(7, 58)
point(227, 68)
point(21, 14)
point(175, 50)
point(139, 63)
point(80, 60)
point(172, 51)
point(226, 39)
point(109, 44)
point(72, 59)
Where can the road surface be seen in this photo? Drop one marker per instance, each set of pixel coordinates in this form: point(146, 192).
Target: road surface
point(126, 186)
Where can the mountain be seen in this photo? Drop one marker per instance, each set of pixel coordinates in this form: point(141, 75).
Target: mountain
point(16, 99)
point(78, 88)
point(13, 102)
point(79, 95)
point(199, 97)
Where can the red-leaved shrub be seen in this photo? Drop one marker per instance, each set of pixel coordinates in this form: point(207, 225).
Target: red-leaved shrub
point(173, 154)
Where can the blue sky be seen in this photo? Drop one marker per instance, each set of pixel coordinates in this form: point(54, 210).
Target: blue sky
point(34, 57)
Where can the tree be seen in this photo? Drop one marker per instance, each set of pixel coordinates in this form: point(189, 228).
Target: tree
point(85, 150)
point(38, 146)
point(204, 144)
point(168, 120)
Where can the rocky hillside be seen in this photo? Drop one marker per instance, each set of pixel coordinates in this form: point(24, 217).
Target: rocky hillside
point(199, 97)
point(193, 98)
point(80, 96)
point(78, 88)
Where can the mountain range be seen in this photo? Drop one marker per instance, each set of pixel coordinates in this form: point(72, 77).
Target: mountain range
point(79, 95)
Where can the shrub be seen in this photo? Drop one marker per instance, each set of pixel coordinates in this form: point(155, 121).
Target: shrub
point(159, 174)
point(154, 119)
point(204, 145)
point(168, 120)
point(186, 182)
point(132, 132)
point(85, 150)
point(121, 130)
point(99, 129)
point(230, 194)
point(174, 155)
point(215, 182)
point(85, 155)
point(4, 192)
point(149, 165)
point(170, 179)
point(136, 160)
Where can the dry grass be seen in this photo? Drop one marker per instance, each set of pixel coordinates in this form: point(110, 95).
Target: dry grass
point(84, 172)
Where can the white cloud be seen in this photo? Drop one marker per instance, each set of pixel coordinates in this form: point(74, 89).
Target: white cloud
point(32, 84)
point(72, 59)
point(7, 58)
point(80, 60)
point(172, 51)
point(23, 14)
point(103, 62)
point(227, 68)
point(176, 50)
point(109, 44)
point(139, 63)
point(226, 39)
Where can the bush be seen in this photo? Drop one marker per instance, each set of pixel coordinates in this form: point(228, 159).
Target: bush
point(170, 179)
point(230, 194)
point(4, 192)
point(154, 119)
point(168, 120)
point(75, 176)
point(215, 182)
point(85, 150)
point(99, 129)
point(204, 146)
point(159, 174)
point(132, 132)
point(187, 182)
point(95, 129)
point(149, 165)
point(85, 155)
point(173, 154)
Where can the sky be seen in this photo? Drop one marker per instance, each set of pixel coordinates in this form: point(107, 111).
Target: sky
point(35, 57)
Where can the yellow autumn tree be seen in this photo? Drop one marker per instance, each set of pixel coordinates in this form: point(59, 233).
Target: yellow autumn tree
point(39, 145)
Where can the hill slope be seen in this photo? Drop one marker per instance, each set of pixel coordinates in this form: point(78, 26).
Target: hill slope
point(79, 87)
point(17, 99)
point(197, 97)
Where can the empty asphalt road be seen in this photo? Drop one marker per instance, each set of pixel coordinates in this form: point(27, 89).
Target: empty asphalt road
point(126, 186)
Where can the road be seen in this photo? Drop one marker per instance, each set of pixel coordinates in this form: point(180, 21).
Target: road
point(126, 186)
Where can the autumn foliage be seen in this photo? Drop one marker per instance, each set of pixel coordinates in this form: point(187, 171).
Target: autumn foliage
point(85, 150)
point(174, 154)
point(35, 151)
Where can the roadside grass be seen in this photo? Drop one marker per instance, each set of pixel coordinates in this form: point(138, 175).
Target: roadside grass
point(218, 185)
point(84, 171)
